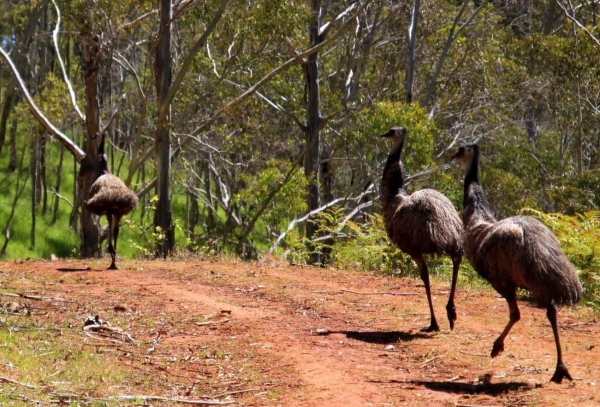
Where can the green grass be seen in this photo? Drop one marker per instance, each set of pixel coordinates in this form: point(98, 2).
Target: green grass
point(59, 238)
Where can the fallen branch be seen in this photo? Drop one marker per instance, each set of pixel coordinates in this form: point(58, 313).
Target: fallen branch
point(7, 380)
point(175, 400)
point(67, 397)
point(32, 297)
point(109, 329)
point(378, 293)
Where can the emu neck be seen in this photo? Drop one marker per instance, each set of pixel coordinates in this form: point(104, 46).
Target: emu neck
point(475, 204)
point(392, 182)
point(102, 159)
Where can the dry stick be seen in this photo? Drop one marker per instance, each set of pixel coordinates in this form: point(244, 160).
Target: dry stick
point(32, 297)
point(378, 293)
point(212, 322)
point(168, 400)
point(7, 380)
point(425, 363)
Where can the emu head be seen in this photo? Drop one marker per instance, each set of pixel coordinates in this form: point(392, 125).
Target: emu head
point(102, 158)
point(466, 153)
point(395, 134)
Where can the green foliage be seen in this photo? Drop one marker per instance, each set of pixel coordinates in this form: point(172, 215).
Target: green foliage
point(421, 130)
point(365, 246)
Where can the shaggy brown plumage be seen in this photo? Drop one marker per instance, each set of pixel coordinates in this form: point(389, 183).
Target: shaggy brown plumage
point(516, 252)
point(110, 196)
point(425, 222)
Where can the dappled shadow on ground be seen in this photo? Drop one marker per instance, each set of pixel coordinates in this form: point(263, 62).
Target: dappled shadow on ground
point(384, 337)
point(490, 389)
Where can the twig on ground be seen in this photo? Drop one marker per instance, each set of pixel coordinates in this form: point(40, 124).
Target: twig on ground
point(429, 360)
point(7, 380)
point(377, 293)
point(33, 297)
point(110, 329)
point(174, 400)
point(222, 321)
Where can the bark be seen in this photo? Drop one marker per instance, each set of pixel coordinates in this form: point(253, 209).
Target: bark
point(57, 186)
point(311, 157)
point(12, 143)
point(163, 78)
point(90, 238)
point(34, 173)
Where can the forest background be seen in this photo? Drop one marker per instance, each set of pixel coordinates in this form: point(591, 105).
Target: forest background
point(250, 127)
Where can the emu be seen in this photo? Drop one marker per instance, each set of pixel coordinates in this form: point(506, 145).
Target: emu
point(110, 196)
point(516, 252)
point(425, 222)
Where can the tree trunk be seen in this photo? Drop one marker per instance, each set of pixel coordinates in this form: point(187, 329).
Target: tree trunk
point(6, 108)
point(57, 186)
point(12, 143)
point(163, 78)
point(34, 172)
point(311, 157)
point(88, 171)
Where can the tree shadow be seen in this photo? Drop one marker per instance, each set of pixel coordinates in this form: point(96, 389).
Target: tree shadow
point(385, 337)
point(490, 389)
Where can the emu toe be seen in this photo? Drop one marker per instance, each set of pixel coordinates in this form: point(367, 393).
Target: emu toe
point(451, 312)
point(498, 348)
point(560, 374)
point(112, 266)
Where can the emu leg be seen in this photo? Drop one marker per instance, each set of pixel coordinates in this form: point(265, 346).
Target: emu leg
point(424, 272)
point(561, 370)
point(111, 248)
point(450, 309)
point(515, 316)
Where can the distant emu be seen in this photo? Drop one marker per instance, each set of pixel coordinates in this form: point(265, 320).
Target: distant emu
point(110, 196)
point(516, 252)
point(425, 222)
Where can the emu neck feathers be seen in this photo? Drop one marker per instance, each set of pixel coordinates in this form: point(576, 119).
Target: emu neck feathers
point(393, 175)
point(475, 203)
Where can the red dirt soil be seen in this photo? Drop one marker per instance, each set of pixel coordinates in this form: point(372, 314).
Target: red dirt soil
point(271, 334)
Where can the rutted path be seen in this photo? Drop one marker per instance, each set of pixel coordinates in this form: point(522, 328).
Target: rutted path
point(322, 337)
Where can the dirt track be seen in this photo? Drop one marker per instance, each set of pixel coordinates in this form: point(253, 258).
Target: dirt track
point(270, 334)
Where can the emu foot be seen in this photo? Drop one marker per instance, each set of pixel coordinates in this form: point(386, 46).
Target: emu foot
point(434, 327)
point(498, 348)
point(112, 266)
point(560, 374)
point(451, 312)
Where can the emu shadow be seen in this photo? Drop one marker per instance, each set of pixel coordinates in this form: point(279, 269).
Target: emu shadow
point(73, 269)
point(384, 337)
point(490, 389)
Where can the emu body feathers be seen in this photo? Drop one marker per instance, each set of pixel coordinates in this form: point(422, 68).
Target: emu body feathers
point(425, 222)
point(110, 197)
point(516, 252)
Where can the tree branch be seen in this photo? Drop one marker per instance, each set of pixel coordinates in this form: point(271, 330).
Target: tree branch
point(62, 65)
point(578, 24)
point(43, 120)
